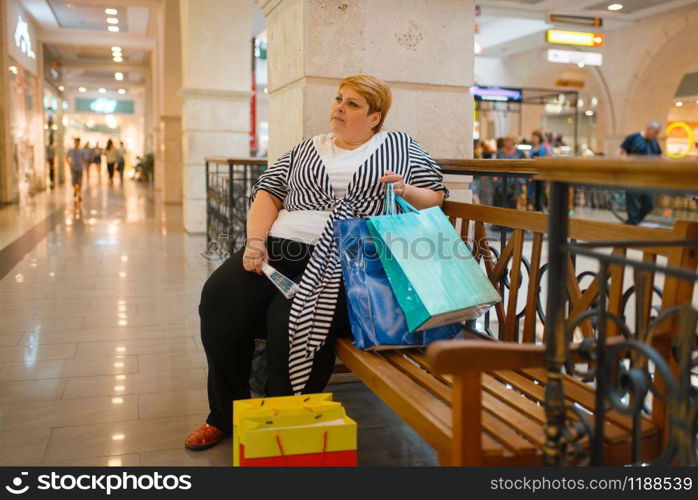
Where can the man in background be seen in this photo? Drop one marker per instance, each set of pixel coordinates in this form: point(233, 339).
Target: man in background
point(643, 144)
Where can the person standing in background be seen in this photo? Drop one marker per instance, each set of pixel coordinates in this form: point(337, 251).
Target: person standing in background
point(122, 160)
point(536, 189)
point(642, 143)
point(112, 155)
point(97, 159)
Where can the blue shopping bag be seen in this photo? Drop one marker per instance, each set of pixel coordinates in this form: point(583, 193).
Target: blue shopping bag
point(377, 321)
point(434, 276)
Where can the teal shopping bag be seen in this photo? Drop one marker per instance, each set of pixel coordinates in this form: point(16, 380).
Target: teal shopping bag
point(433, 274)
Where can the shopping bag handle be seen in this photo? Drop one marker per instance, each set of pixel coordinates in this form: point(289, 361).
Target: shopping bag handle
point(391, 198)
point(322, 457)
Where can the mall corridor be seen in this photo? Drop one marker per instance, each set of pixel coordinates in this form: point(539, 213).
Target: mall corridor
point(101, 361)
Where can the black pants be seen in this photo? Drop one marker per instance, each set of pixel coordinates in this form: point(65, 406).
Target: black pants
point(638, 205)
point(110, 170)
point(237, 307)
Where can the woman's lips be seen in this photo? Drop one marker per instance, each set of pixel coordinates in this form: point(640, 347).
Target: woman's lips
point(338, 119)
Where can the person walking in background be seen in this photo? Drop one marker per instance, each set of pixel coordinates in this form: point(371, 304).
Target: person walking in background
point(112, 155)
point(536, 189)
point(642, 143)
point(87, 151)
point(97, 159)
point(77, 159)
point(122, 161)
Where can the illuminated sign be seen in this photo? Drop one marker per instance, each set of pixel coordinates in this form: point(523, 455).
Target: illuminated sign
point(581, 38)
point(104, 106)
point(576, 20)
point(497, 94)
point(689, 140)
point(22, 39)
point(575, 57)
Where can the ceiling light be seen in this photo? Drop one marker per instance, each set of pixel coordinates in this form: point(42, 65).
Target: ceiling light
point(580, 65)
point(118, 59)
point(102, 91)
point(82, 90)
point(119, 76)
point(113, 29)
point(13, 69)
point(122, 91)
point(615, 6)
point(61, 88)
point(116, 49)
point(111, 12)
point(679, 103)
point(113, 20)
point(589, 112)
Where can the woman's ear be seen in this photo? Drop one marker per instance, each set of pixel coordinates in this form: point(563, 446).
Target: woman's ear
point(375, 118)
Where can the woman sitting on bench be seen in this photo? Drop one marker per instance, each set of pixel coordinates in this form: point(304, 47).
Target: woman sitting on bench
point(329, 177)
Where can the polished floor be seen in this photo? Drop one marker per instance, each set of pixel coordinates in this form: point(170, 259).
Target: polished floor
point(100, 357)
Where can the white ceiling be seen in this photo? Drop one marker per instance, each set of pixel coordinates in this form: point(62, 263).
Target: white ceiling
point(76, 33)
point(511, 26)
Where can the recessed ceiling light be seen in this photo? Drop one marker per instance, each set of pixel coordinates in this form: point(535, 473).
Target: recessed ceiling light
point(113, 29)
point(82, 90)
point(113, 20)
point(122, 91)
point(679, 103)
point(615, 6)
point(61, 88)
point(111, 12)
point(118, 76)
point(102, 91)
point(116, 49)
point(589, 112)
point(118, 59)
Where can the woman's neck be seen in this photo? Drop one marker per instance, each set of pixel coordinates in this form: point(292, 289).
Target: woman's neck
point(351, 145)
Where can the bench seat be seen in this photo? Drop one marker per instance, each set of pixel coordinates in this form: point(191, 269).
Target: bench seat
point(512, 406)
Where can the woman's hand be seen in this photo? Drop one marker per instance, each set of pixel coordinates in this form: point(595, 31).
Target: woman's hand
point(398, 182)
point(255, 254)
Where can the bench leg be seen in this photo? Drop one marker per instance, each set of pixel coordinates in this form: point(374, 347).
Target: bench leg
point(467, 420)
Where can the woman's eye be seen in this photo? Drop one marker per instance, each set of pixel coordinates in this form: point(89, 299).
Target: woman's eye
point(338, 99)
point(352, 104)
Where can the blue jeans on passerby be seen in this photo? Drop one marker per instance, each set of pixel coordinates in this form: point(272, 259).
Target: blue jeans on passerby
point(638, 205)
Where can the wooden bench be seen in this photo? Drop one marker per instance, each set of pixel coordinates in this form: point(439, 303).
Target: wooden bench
point(479, 402)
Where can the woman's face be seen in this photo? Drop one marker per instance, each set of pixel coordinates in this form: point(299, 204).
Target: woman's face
point(349, 117)
point(535, 140)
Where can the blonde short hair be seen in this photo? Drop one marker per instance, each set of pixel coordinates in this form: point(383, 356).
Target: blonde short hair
point(375, 91)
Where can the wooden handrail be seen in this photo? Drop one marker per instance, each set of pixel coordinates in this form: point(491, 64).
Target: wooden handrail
point(524, 167)
point(236, 161)
point(652, 174)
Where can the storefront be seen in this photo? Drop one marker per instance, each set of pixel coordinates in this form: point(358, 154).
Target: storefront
point(28, 171)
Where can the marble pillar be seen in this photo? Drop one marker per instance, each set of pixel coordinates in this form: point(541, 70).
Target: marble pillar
point(422, 48)
point(216, 91)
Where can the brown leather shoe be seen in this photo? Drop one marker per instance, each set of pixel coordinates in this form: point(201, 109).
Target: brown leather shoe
point(203, 437)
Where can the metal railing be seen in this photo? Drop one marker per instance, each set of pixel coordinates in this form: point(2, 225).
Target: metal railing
point(229, 183)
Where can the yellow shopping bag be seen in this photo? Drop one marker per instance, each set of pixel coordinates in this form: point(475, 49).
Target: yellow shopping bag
point(305, 430)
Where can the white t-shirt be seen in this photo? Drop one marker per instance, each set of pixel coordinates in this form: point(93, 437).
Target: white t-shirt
point(340, 165)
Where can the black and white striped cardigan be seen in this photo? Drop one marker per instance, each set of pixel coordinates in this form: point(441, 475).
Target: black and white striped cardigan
point(300, 181)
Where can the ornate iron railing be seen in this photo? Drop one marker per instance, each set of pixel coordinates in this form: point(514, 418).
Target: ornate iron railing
point(647, 369)
point(229, 183)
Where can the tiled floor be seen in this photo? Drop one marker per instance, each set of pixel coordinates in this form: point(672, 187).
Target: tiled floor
point(100, 359)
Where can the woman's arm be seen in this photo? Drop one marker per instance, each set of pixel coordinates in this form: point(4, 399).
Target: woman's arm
point(418, 197)
point(422, 197)
point(263, 212)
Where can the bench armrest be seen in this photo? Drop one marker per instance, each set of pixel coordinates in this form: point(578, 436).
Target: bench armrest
point(459, 356)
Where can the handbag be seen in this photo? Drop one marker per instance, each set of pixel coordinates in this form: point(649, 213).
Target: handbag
point(376, 318)
point(434, 276)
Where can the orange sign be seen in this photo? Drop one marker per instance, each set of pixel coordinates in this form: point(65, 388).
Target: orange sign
point(580, 38)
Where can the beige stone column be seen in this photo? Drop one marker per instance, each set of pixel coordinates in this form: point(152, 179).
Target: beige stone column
point(216, 93)
point(170, 118)
point(423, 49)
